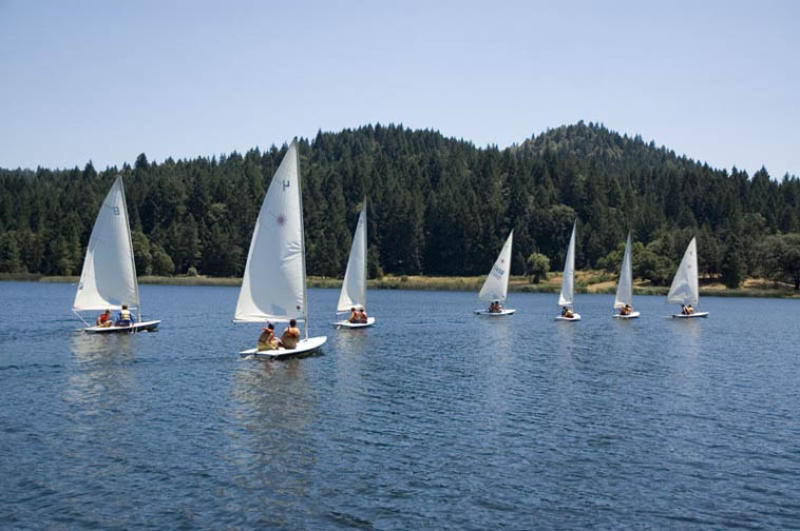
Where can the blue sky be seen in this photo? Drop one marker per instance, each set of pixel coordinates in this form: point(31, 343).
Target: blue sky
point(107, 80)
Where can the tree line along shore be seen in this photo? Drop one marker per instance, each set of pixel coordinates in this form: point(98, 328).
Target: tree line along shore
point(438, 207)
point(593, 281)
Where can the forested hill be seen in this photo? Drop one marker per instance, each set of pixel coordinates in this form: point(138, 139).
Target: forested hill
point(437, 206)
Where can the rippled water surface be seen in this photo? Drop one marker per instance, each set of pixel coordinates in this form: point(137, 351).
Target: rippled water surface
point(434, 418)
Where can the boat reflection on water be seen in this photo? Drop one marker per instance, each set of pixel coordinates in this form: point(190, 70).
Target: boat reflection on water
point(350, 340)
point(102, 374)
point(99, 416)
point(499, 335)
point(686, 354)
point(498, 378)
point(272, 448)
point(357, 355)
point(566, 339)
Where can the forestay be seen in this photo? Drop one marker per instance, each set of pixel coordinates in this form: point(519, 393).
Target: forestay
point(354, 286)
point(625, 286)
point(495, 287)
point(684, 288)
point(108, 278)
point(273, 286)
point(568, 282)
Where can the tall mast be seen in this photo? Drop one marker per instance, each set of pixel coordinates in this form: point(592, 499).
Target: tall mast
point(366, 234)
point(130, 242)
point(302, 235)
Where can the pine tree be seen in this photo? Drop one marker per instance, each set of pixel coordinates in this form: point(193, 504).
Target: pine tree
point(733, 262)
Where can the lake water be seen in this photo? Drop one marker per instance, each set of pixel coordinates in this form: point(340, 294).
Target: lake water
point(434, 418)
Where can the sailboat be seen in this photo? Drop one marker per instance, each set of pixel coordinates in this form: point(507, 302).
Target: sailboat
point(108, 279)
point(684, 288)
point(354, 286)
point(274, 282)
point(624, 296)
point(567, 296)
point(495, 287)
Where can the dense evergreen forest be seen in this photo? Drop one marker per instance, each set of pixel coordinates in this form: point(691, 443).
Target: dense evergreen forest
point(437, 206)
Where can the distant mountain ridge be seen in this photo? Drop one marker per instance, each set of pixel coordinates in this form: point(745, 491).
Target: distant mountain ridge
point(437, 205)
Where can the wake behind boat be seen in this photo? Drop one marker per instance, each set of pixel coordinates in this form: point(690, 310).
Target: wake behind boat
point(353, 297)
point(274, 281)
point(495, 287)
point(108, 279)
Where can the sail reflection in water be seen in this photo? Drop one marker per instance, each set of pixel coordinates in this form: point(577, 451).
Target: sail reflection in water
point(102, 377)
point(271, 446)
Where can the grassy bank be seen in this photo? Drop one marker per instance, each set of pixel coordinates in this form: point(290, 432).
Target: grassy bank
point(585, 282)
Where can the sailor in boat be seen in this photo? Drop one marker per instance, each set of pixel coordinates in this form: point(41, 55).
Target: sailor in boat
point(358, 316)
point(125, 317)
point(267, 339)
point(566, 312)
point(495, 307)
point(687, 309)
point(626, 310)
point(290, 336)
point(104, 319)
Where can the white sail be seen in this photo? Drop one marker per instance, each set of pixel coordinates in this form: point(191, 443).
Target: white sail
point(625, 286)
point(568, 282)
point(108, 279)
point(274, 282)
point(354, 286)
point(684, 288)
point(495, 287)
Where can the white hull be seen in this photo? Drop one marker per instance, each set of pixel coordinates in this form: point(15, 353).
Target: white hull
point(348, 324)
point(577, 317)
point(690, 316)
point(632, 315)
point(304, 346)
point(501, 313)
point(144, 326)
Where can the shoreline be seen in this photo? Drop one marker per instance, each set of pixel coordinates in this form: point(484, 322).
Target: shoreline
point(591, 282)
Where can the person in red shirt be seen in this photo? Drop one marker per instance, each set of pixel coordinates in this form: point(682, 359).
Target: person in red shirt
point(104, 319)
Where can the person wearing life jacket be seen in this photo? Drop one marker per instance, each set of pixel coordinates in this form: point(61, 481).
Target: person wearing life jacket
point(290, 336)
point(689, 309)
point(125, 317)
point(104, 319)
point(566, 312)
point(267, 339)
point(354, 315)
point(626, 310)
